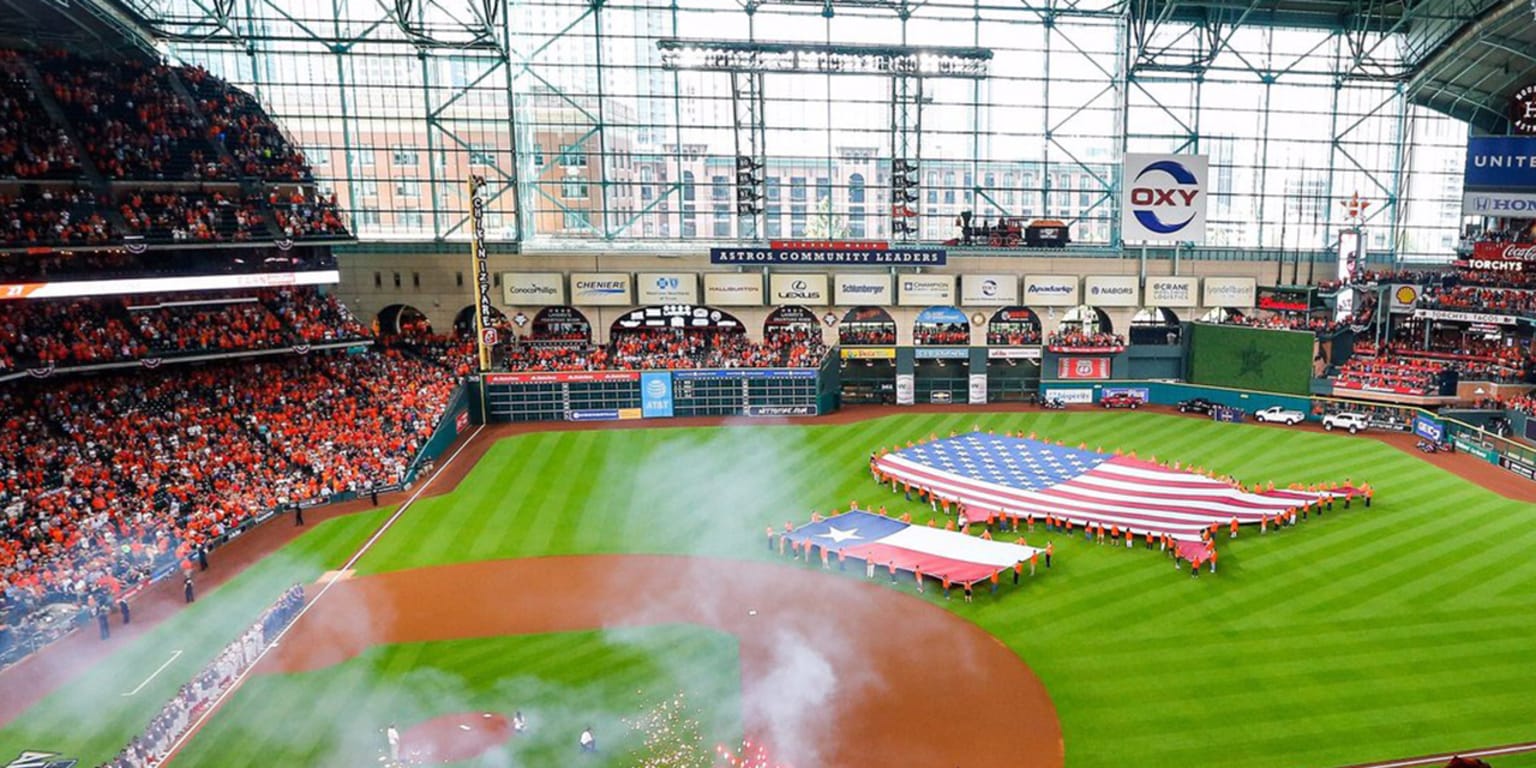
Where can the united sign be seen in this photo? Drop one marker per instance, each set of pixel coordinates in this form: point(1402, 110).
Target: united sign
point(1165, 198)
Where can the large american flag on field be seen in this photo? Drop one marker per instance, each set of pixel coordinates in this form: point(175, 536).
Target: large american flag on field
point(1015, 476)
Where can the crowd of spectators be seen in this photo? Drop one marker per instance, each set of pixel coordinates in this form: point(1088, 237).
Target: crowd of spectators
point(242, 127)
point(1488, 300)
point(69, 332)
point(1012, 335)
point(656, 348)
point(103, 478)
point(183, 216)
point(1082, 340)
point(1322, 325)
point(867, 334)
point(31, 146)
point(49, 216)
point(953, 334)
point(300, 215)
point(152, 746)
point(1406, 376)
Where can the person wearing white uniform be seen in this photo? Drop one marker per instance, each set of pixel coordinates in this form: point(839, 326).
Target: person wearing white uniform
point(394, 742)
point(518, 723)
point(588, 741)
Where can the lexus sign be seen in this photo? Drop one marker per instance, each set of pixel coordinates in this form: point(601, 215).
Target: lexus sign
point(1164, 198)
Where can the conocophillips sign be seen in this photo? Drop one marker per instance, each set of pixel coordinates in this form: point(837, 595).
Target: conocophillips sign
point(1050, 291)
point(1172, 291)
point(804, 290)
point(600, 289)
point(532, 289)
point(1165, 198)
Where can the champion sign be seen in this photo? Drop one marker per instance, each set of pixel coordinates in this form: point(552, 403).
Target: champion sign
point(1165, 198)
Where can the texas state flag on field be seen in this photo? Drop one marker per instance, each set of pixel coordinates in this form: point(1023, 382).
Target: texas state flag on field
point(886, 541)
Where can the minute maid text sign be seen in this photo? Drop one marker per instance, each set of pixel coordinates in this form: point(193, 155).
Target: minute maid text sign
point(1165, 198)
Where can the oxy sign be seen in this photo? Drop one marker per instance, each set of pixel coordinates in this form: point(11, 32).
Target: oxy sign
point(1165, 198)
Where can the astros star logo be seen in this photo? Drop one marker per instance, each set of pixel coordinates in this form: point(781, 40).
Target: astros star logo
point(1251, 360)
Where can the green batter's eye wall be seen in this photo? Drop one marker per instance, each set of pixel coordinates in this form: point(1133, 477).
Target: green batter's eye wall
point(1251, 358)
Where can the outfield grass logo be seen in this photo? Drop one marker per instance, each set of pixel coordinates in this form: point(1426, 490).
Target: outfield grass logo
point(33, 759)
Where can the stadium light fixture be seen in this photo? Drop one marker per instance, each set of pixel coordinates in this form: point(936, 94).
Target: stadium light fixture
point(825, 59)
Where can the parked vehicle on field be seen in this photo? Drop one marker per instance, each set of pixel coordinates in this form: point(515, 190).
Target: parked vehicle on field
point(1354, 422)
point(1120, 400)
point(1277, 414)
point(1197, 405)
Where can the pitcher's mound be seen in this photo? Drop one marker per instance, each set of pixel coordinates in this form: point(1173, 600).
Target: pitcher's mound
point(454, 738)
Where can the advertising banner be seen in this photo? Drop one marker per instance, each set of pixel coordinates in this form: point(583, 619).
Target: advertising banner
point(781, 410)
point(1141, 393)
point(533, 289)
point(1465, 317)
point(485, 313)
point(747, 373)
point(1351, 255)
point(1521, 468)
point(74, 288)
point(1111, 291)
point(989, 290)
point(733, 289)
point(906, 388)
point(1165, 198)
point(1504, 251)
point(1514, 205)
point(600, 289)
point(1172, 292)
point(925, 290)
point(593, 414)
point(805, 290)
point(863, 257)
point(1402, 297)
point(1504, 163)
point(1074, 395)
point(1428, 428)
point(1050, 290)
point(666, 288)
point(561, 377)
point(1465, 445)
point(941, 353)
point(1014, 353)
point(978, 393)
point(1230, 292)
point(1082, 368)
point(656, 394)
point(858, 290)
point(868, 353)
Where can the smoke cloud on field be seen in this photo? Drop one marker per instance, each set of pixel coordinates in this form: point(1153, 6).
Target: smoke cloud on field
point(713, 490)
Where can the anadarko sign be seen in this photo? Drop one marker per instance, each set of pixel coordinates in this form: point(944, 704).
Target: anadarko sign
point(1050, 290)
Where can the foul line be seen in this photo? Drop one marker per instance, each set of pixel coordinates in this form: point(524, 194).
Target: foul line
point(155, 673)
point(170, 754)
point(1529, 746)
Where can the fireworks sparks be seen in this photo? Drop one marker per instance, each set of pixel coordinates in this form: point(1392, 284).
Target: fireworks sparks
point(751, 755)
point(673, 737)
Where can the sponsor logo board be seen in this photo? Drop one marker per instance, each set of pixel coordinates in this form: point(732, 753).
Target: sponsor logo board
point(1050, 291)
point(906, 388)
point(1428, 428)
point(925, 290)
point(941, 353)
point(655, 394)
point(1165, 198)
point(1014, 353)
point(1501, 163)
point(989, 290)
point(1402, 297)
point(1074, 395)
point(1082, 368)
point(781, 410)
point(733, 289)
point(978, 389)
point(1111, 291)
point(666, 288)
point(600, 289)
point(860, 290)
point(804, 290)
point(1515, 205)
point(1464, 317)
point(1172, 291)
point(1232, 292)
point(868, 353)
point(533, 289)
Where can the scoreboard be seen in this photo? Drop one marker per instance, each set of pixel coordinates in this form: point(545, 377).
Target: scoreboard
point(622, 395)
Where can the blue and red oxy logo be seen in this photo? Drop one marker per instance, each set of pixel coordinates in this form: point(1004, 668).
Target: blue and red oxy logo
point(1163, 195)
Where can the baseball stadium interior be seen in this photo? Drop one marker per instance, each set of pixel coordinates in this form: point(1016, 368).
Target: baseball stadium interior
point(944, 298)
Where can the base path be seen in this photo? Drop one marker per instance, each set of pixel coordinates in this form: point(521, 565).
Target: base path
point(904, 682)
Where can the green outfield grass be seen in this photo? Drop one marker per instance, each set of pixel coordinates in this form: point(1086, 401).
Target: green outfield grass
point(549, 678)
point(1367, 634)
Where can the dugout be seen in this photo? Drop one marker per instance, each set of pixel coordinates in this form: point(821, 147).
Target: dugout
point(1013, 354)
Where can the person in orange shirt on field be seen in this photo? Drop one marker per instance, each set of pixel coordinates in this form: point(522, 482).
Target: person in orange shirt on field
point(986, 534)
point(1018, 570)
point(1050, 549)
point(1234, 527)
point(1034, 557)
point(917, 575)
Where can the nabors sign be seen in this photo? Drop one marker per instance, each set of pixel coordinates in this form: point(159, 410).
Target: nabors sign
point(1164, 198)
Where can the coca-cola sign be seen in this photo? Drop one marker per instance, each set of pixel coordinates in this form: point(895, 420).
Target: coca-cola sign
point(1505, 251)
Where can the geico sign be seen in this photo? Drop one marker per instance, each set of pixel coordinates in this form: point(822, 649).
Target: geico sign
point(1164, 197)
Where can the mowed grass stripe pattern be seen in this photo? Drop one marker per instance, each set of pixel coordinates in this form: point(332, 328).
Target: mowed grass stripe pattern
point(1357, 635)
point(336, 716)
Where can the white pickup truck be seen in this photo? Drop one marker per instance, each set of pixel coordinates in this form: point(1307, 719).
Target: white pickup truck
point(1354, 422)
point(1279, 415)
